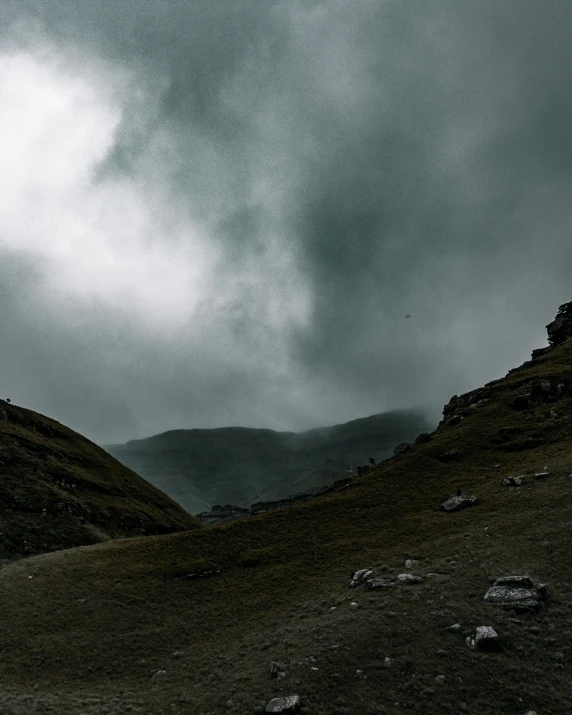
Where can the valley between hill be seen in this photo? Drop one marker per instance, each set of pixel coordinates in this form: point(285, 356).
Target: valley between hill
point(128, 626)
point(199, 468)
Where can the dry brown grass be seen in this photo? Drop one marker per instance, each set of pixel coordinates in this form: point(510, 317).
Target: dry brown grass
point(86, 634)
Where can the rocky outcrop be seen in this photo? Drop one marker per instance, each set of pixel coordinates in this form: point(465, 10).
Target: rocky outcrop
point(538, 392)
point(224, 514)
point(463, 405)
point(559, 330)
point(516, 593)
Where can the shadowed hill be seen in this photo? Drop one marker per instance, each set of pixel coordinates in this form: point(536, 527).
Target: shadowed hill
point(239, 465)
point(58, 490)
point(130, 626)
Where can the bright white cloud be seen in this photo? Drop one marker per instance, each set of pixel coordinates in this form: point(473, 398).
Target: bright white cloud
point(109, 240)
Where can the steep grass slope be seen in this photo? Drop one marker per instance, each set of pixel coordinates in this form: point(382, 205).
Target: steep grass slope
point(238, 465)
point(116, 628)
point(58, 490)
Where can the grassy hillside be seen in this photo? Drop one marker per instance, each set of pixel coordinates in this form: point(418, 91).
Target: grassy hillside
point(238, 465)
point(59, 490)
point(117, 628)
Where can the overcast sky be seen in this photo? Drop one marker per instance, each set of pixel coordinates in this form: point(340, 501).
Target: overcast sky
point(220, 213)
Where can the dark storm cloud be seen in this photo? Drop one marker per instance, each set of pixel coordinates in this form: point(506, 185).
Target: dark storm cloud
point(339, 166)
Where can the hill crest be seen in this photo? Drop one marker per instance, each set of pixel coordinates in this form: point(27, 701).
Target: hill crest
point(59, 490)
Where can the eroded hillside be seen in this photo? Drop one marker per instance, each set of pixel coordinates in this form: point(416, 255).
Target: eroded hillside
point(58, 490)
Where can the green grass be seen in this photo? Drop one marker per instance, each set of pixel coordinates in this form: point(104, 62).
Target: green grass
point(88, 632)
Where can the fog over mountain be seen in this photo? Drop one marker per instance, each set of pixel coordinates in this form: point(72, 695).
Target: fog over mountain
point(200, 468)
point(221, 213)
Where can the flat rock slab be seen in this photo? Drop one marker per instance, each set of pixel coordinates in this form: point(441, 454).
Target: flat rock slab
point(458, 501)
point(289, 704)
point(409, 578)
point(516, 593)
point(438, 576)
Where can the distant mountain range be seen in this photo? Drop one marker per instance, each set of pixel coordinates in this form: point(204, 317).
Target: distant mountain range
point(199, 468)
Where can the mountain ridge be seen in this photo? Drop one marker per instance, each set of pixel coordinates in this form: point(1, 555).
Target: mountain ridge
point(240, 465)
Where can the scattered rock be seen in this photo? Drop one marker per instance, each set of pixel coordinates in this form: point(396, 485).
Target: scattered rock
point(455, 502)
point(457, 419)
point(387, 661)
point(438, 576)
point(516, 593)
point(375, 583)
point(159, 674)
point(409, 578)
point(226, 513)
point(541, 475)
point(512, 482)
point(411, 563)
point(277, 670)
point(440, 679)
point(423, 438)
point(455, 628)
point(289, 704)
point(486, 639)
point(361, 576)
point(537, 392)
point(453, 455)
